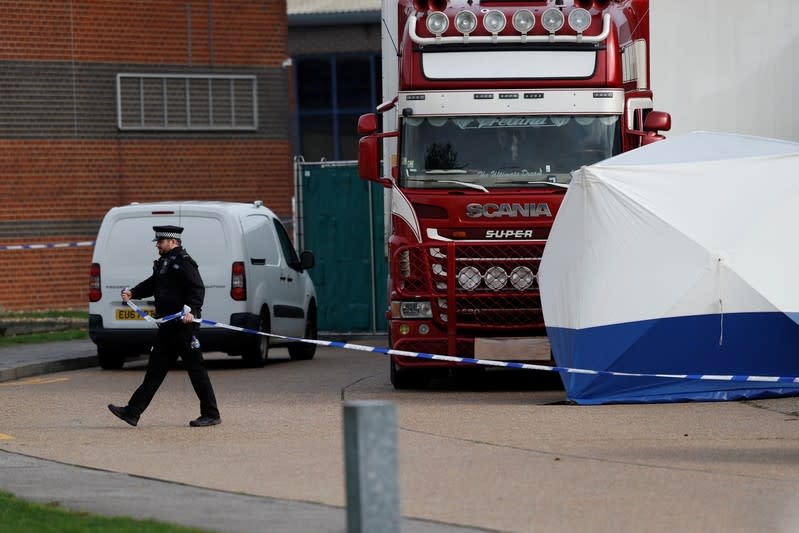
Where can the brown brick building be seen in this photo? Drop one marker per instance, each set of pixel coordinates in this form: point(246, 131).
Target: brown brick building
point(107, 102)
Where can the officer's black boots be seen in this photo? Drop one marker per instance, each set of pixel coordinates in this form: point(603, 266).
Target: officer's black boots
point(205, 421)
point(124, 413)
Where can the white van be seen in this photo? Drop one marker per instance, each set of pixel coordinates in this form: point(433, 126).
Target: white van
point(253, 279)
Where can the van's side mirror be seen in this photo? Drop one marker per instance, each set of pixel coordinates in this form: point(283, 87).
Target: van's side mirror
point(307, 260)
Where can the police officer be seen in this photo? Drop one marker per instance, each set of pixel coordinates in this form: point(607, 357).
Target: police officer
point(175, 282)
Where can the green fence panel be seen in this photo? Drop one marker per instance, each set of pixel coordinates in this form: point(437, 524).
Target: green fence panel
point(335, 223)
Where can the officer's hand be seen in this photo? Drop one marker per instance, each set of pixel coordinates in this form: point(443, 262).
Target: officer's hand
point(188, 318)
point(126, 295)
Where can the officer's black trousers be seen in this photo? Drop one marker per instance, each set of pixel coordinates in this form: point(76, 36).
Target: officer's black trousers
point(174, 339)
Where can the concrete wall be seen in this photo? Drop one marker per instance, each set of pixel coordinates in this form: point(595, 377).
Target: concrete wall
point(727, 66)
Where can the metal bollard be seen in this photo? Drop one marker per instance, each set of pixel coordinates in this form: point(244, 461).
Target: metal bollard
point(371, 459)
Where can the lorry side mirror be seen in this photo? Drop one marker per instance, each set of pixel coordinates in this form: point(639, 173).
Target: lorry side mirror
point(657, 121)
point(367, 124)
point(368, 165)
point(369, 162)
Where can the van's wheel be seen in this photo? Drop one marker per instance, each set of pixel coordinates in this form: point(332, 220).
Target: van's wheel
point(256, 356)
point(109, 358)
point(301, 351)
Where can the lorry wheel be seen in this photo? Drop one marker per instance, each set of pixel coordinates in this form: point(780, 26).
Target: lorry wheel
point(467, 375)
point(302, 351)
point(110, 358)
point(256, 356)
point(407, 379)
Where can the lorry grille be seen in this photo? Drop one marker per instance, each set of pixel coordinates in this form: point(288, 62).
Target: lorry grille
point(487, 285)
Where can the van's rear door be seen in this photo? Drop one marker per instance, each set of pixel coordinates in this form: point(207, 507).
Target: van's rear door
point(125, 252)
point(129, 252)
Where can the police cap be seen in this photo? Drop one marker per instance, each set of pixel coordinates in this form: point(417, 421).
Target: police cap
point(167, 232)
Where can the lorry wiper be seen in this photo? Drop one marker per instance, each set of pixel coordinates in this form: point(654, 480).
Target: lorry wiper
point(465, 184)
point(455, 182)
point(539, 183)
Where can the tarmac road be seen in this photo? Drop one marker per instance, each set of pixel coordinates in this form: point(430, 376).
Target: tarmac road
point(499, 455)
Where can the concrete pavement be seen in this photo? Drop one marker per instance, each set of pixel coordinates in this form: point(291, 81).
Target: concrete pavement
point(497, 457)
point(27, 360)
point(119, 494)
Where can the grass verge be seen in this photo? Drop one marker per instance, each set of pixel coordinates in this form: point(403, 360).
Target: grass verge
point(18, 516)
point(44, 336)
point(44, 314)
point(52, 336)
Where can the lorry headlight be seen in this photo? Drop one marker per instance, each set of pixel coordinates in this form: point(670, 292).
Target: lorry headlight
point(496, 278)
point(469, 278)
point(465, 22)
point(494, 21)
point(579, 20)
point(437, 23)
point(523, 20)
point(412, 309)
point(552, 19)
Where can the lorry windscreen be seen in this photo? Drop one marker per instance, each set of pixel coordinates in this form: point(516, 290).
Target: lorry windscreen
point(503, 151)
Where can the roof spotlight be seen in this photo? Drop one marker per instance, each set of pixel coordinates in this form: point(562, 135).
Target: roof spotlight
point(552, 19)
point(437, 23)
point(579, 20)
point(494, 21)
point(465, 22)
point(523, 20)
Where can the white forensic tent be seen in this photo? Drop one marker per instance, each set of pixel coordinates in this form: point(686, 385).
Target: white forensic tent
point(681, 257)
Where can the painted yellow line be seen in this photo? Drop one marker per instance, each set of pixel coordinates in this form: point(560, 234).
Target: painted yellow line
point(3, 436)
point(33, 381)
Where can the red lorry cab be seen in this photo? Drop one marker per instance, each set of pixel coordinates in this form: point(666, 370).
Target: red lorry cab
point(488, 107)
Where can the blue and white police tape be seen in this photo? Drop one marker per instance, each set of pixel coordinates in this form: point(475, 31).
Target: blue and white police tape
point(146, 316)
point(487, 362)
point(44, 246)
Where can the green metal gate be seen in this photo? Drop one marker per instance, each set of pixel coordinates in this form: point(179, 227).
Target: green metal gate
point(340, 218)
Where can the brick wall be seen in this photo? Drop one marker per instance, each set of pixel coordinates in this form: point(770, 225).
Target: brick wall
point(83, 179)
point(234, 32)
point(45, 279)
point(64, 163)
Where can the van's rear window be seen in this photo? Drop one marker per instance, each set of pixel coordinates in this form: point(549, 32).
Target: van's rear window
point(130, 242)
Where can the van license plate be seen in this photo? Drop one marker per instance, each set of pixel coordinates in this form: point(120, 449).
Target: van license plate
point(130, 314)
